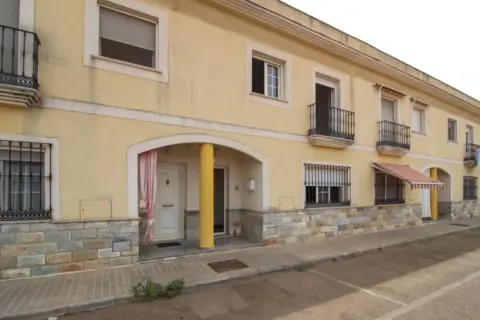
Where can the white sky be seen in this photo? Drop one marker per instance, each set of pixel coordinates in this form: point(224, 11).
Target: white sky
point(441, 38)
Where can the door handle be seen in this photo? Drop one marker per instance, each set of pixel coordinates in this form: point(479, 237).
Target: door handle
point(167, 205)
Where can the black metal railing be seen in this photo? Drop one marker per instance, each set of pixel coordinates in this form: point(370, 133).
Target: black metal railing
point(18, 57)
point(470, 188)
point(470, 151)
point(326, 185)
point(393, 135)
point(332, 122)
point(25, 181)
point(388, 189)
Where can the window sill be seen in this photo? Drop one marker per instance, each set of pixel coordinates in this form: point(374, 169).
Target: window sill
point(261, 98)
point(327, 206)
point(452, 142)
point(127, 68)
point(419, 134)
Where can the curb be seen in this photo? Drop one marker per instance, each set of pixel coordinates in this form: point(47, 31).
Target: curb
point(114, 301)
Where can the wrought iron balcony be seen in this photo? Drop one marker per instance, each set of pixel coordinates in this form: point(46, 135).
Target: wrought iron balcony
point(18, 66)
point(470, 156)
point(393, 138)
point(331, 127)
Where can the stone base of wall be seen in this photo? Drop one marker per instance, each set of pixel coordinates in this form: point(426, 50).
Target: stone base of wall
point(465, 209)
point(40, 248)
point(304, 225)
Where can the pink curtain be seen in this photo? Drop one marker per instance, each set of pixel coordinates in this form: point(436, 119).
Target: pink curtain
point(148, 187)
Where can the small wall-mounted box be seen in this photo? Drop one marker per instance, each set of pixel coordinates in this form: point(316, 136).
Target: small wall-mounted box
point(250, 185)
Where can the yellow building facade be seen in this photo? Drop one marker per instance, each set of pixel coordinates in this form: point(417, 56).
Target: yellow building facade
point(130, 122)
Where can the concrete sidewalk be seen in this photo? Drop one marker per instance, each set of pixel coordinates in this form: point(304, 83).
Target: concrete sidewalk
point(41, 297)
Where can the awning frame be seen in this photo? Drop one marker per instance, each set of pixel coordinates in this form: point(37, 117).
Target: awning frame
point(413, 184)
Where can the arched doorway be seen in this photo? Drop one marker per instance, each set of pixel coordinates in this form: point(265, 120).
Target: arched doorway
point(240, 185)
point(444, 198)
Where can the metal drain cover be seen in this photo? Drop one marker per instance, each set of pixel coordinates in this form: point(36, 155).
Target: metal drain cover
point(459, 225)
point(227, 265)
point(168, 244)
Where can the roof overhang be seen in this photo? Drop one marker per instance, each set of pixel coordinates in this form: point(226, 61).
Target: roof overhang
point(405, 74)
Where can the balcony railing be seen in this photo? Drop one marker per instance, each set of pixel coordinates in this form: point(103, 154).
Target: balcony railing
point(470, 152)
point(392, 134)
point(18, 57)
point(332, 122)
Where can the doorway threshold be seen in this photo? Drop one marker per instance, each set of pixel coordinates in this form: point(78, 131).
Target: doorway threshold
point(185, 248)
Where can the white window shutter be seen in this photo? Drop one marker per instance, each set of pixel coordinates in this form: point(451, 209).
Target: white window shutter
point(126, 29)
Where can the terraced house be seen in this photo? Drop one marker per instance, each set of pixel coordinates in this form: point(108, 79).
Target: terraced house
point(140, 129)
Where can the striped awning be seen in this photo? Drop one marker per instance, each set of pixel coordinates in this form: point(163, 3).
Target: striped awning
point(415, 179)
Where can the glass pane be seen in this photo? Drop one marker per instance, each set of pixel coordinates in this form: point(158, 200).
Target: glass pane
point(335, 195)
point(323, 197)
point(273, 80)
point(127, 53)
point(416, 120)
point(388, 110)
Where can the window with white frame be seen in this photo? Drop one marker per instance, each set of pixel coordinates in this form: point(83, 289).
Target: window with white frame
point(267, 75)
point(126, 37)
point(388, 111)
point(452, 130)
point(25, 181)
point(418, 119)
point(326, 185)
point(129, 37)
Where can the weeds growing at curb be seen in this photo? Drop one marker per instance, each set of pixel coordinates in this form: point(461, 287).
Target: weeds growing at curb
point(149, 290)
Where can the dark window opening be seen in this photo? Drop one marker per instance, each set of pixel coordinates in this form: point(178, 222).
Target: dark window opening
point(388, 189)
point(25, 181)
point(127, 53)
point(326, 185)
point(127, 38)
point(470, 188)
point(258, 76)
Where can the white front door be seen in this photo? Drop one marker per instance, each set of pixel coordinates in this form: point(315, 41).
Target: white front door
point(426, 213)
point(425, 198)
point(168, 220)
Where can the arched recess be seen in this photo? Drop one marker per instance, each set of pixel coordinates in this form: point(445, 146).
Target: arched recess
point(445, 196)
point(134, 150)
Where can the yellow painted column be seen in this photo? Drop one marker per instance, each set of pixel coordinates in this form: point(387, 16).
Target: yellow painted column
point(433, 196)
point(206, 196)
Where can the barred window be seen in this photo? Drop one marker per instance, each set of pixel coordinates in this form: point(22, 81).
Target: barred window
point(469, 188)
point(25, 180)
point(388, 189)
point(326, 185)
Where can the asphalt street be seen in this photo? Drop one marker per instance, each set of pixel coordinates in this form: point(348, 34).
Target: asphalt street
point(434, 279)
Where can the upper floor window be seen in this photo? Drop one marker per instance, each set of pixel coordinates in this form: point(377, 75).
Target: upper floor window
point(418, 119)
point(326, 185)
point(388, 189)
point(469, 188)
point(452, 130)
point(25, 180)
point(389, 108)
point(267, 76)
point(127, 37)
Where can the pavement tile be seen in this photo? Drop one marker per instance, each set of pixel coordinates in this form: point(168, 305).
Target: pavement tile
point(35, 295)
